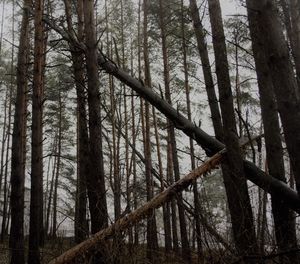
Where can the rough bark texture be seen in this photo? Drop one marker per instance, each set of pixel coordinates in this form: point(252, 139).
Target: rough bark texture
point(152, 243)
point(16, 241)
point(284, 81)
point(57, 172)
point(81, 225)
point(291, 10)
point(166, 217)
point(96, 180)
point(236, 184)
point(284, 228)
point(36, 192)
point(208, 79)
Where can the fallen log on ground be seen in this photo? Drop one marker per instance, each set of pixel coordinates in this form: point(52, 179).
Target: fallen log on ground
point(87, 246)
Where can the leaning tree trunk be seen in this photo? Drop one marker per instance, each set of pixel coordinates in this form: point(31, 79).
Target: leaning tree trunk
point(284, 228)
point(284, 81)
point(16, 241)
point(85, 248)
point(210, 144)
point(235, 185)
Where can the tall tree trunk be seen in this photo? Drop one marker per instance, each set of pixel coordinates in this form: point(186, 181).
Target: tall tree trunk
point(152, 242)
point(284, 228)
point(211, 94)
point(50, 197)
point(166, 216)
point(290, 9)
point(81, 224)
point(192, 152)
point(171, 131)
point(171, 140)
point(96, 178)
point(208, 78)
point(294, 8)
point(58, 169)
point(284, 81)
point(4, 138)
point(170, 180)
point(16, 241)
point(36, 193)
point(236, 184)
point(9, 101)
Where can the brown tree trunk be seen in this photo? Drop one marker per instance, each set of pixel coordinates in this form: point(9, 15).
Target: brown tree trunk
point(152, 243)
point(284, 228)
point(192, 152)
point(50, 197)
point(284, 81)
point(58, 169)
point(16, 241)
point(166, 217)
point(236, 184)
point(171, 132)
point(81, 224)
point(290, 9)
point(8, 147)
point(96, 178)
point(36, 207)
point(4, 138)
point(208, 78)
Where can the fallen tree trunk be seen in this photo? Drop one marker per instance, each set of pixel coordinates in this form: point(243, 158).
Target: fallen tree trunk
point(88, 246)
point(207, 142)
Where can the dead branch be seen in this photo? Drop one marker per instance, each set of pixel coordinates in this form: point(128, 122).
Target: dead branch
point(87, 246)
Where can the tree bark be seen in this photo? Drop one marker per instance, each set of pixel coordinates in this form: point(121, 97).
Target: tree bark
point(192, 151)
point(58, 169)
point(81, 224)
point(284, 228)
point(16, 241)
point(284, 81)
point(152, 243)
point(36, 192)
point(96, 179)
point(171, 134)
point(208, 78)
point(235, 185)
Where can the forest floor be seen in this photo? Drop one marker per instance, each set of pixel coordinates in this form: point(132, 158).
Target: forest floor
point(137, 255)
